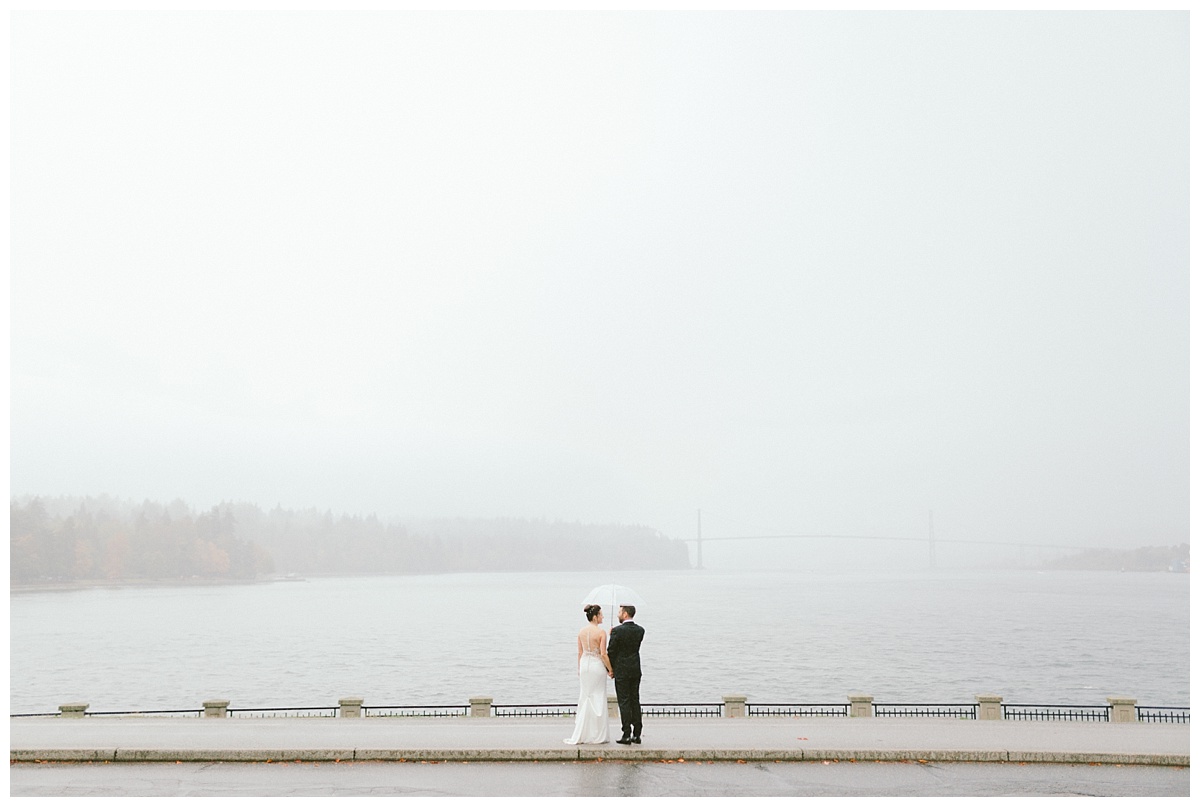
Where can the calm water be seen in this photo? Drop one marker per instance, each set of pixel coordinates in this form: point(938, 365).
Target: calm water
point(1053, 637)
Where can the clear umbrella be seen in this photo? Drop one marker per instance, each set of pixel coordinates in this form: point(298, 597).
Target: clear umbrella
point(611, 596)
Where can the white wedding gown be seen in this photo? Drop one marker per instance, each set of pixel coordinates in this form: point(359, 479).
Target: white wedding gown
point(591, 718)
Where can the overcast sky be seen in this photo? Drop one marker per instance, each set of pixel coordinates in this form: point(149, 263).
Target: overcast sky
point(817, 272)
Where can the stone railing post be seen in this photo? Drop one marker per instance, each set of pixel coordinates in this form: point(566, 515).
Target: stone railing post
point(216, 708)
point(989, 707)
point(614, 710)
point(860, 705)
point(481, 707)
point(72, 709)
point(735, 705)
point(1124, 710)
point(350, 707)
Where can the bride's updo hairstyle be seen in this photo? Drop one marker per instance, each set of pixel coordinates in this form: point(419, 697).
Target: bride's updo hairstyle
point(590, 611)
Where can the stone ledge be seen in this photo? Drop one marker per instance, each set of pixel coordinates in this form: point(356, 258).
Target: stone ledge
point(565, 754)
point(1177, 760)
point(63, 755)
point(903, 755)
point(233, 755)
point(577, 754)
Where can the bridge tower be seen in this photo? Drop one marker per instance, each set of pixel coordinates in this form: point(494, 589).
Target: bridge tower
point(699, 544)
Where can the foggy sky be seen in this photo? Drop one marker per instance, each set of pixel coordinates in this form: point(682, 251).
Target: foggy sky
point(816, 272)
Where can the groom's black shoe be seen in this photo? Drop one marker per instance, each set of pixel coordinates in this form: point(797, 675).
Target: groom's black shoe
point(625, 740)
point(637, 740)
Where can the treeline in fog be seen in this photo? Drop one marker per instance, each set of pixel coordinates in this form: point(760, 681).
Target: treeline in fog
point(1176, 558)
point(106, 539)
point(63, 539)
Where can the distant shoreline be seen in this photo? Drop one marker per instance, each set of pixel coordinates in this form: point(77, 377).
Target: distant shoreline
point(27, 587)
point(31, 587)
point(15, 586)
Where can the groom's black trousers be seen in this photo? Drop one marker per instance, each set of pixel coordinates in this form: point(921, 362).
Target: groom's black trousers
point(629, 701)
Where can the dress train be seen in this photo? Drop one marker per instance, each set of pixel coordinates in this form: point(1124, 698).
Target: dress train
point(591, 717)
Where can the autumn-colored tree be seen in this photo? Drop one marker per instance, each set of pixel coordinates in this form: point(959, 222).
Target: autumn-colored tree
point(101, 537)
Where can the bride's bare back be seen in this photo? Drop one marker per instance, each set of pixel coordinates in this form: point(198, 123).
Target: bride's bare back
point(593, 640)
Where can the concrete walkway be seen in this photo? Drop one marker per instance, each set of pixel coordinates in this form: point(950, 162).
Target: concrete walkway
point(159, 739)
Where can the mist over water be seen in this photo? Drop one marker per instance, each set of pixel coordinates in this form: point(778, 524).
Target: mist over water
point(940, 636)
point(813, 273)
point(821, 272)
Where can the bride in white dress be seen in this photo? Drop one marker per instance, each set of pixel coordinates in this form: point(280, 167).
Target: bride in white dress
point(591, 718)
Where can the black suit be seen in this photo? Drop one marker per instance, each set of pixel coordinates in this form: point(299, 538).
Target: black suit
point(624, 642)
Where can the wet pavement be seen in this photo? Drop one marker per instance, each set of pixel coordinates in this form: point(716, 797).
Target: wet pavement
point(594, 779)
point(522, 739)
point(174, 756)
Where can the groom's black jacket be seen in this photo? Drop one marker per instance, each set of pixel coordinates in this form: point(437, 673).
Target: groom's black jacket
point(624, 642)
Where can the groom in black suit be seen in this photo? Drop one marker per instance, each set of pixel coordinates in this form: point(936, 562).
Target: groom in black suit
point(624, 642)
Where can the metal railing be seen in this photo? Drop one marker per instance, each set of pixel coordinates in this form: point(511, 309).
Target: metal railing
point(416, 711)
point(682, 709)
point(1029, 711)
point(185, 712)
point(534, 710)
point(38, 714)
point(299, 711)
point(962, 710)
point(797, 710)
point(1164, 714)
point(570, 709)
point(966, 711)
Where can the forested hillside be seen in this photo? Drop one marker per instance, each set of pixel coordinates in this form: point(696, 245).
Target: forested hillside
point(106, 539)
point(1142, 559)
